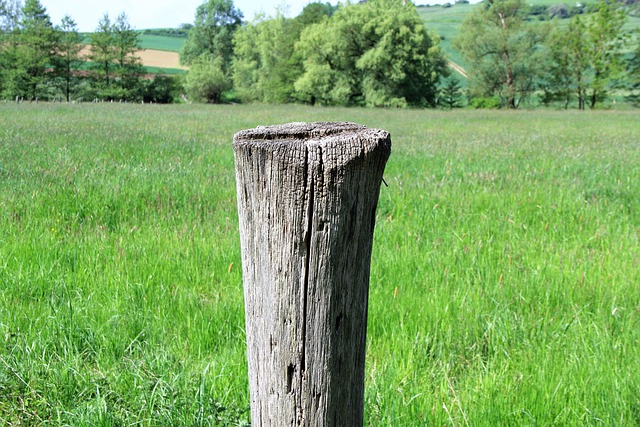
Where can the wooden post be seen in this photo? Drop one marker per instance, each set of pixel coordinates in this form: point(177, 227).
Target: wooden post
point(307, 196)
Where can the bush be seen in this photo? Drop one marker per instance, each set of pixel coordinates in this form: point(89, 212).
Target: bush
point(558, 11)
point(537, 9)
point(485, 102)
point(206, 80)
point(162, 90)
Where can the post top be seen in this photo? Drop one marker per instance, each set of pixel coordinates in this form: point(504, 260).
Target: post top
point(300, 131)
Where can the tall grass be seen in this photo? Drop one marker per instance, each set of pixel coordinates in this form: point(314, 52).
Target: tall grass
point(504, 285)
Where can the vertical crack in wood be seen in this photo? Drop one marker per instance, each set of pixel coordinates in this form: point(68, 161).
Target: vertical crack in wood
point(290, 371)
point(309, 189)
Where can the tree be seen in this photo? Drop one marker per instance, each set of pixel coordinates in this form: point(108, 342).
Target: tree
point(103, 53)
point(68, 53)
point(10, 15)
point(117, 70)
point(405, 64)
point(450, 94)
point(209, 50)
point(585, 56)
point(207, 80)
point(265, 67)
point(604, 39)
point(128, 66)
point(10, 12)
point(503, 51)
point(568, 64)
point(376, 53)
point(633, 67)
point(212, 33)
point(314, 13)
point(36, 49)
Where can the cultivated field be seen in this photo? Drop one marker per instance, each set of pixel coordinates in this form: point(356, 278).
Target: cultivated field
point(160, 59)
point(151, 58)
point(505, 273)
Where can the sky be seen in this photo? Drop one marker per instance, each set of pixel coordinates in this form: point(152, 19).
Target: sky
point(145, 14)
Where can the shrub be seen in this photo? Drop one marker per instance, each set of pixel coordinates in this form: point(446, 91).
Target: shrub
point(492, 102)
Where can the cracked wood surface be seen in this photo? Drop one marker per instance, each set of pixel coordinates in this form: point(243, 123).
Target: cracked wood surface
point(307, 195)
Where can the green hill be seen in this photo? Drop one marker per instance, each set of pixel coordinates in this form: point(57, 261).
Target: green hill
point(446, 20)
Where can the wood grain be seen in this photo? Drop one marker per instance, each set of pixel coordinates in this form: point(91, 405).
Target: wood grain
point(307, 196)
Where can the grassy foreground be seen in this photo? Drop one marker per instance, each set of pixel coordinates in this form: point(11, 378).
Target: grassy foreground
point(505, 274)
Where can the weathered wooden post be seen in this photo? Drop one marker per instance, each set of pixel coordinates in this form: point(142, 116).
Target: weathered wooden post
point(307, 195)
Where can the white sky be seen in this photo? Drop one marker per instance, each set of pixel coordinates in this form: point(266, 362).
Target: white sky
point(145, 14)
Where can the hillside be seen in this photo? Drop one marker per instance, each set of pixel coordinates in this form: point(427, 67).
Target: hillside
point(446, 20)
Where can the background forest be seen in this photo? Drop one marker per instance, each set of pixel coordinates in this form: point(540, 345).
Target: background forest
point(379, 53)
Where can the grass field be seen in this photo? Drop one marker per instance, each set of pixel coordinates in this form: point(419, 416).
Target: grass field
point(446, 23)
point(166, 43)
point(504, 283)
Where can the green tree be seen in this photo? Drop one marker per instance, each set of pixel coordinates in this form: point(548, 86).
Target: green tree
point(377, 53)
point(212, 33)
point(117, 71)
point(604, 40)
point(68, 53)
point(405, 64)
point(450, 94)
point(10, 14)
point(265, 68)
point(35, 51)
point(103, 55)
point(633, 77)
point(503, 51)
point(207, 80)
point(128, 67)
point(585, 56)
point(314, 13)
point(566, 71)
point(266, 65)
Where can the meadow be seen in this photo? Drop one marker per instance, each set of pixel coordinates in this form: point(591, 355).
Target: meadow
point(504, 281)
point(161, 42)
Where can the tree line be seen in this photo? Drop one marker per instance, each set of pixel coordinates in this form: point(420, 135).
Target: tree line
point(375, 53)
point(578, 63)
point(379, 53)
point(43, 61)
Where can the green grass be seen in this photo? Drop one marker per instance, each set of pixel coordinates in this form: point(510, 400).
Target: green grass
point(446, 22)
point(165, 43)
point(504, 286)
point(164, 71)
